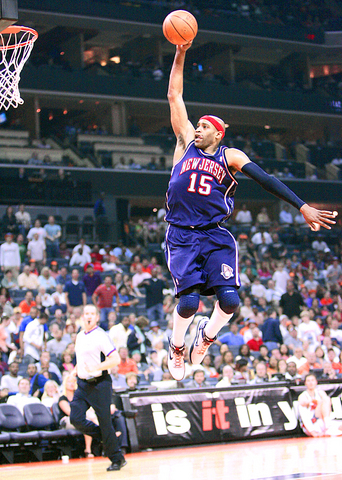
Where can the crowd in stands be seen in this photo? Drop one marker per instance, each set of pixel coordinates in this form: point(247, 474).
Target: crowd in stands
point(289, 322)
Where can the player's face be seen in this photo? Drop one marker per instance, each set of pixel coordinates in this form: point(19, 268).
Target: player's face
point(204, 134)
point(90, 317)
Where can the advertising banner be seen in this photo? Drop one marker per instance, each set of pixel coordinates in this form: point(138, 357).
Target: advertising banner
point(188, 417)
point(215, 415)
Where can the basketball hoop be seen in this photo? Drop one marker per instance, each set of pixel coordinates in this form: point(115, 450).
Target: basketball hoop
point(16, 44)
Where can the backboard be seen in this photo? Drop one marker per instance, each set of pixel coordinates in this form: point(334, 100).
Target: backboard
point(8, 13)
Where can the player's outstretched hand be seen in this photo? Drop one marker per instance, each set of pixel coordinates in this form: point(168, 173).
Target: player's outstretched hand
point(318, 218)
point(184, 48)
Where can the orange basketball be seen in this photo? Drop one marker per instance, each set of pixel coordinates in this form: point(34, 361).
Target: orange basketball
point(180, 27)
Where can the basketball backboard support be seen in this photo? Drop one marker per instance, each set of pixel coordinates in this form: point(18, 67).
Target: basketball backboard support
point(8, 13)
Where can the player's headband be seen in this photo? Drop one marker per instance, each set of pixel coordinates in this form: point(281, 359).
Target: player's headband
point(214, 122)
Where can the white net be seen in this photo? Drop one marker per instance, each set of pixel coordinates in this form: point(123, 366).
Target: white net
point(16, 44)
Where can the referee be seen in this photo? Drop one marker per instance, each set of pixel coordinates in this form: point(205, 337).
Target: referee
point(95, 354)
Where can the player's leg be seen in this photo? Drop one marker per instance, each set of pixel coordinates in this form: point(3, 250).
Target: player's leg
point(183, 315)
point(228, 302)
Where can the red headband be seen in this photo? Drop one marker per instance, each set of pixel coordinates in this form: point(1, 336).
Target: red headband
point(214, 122)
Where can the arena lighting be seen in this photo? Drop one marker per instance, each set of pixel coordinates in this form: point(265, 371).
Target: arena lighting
point(115, 59)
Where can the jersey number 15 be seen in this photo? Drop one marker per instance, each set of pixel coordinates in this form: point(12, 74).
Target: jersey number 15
point(204, 188)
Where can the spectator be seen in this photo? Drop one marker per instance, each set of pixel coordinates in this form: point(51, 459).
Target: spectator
point(59, 301)
point(256, 341)
point(83, 245)
point(8, 281)
point(10, 380)
point(291, 301)
point(262, 217)
point(292, 340)
point(258, 290)
point(126, 364)
point(137, 339)
point(309, 331)
point(57, 345)
point(46, 280)
point(155, 334)
point(53, 234)
point(119, 333)
point(23, 219)
point(103, 297)
point(285, 216)
point(334, 272)
point(198, 380)
point(101, 218)
point(37, 229)
point(26, 304)
point(34, 338)
point(270, 329)
point(297, 357)
point(23, 396)
point(51, 393)
point(139, 276)
point(244, 217)
point(36, 250)
point(118, 380)
point(46, 364)
point(319, 245)
point(9, 255)
point(63, 276)
point(260, 374)
point(227, 377)
point(231, 338)
point(154, 296)
point(75, 293)
point(310, 365)
point(291, 372)
point(27, 280)
point(9, 222)
point(273, 294)
point(91, 281)
point(80, 258)
point(281, 277)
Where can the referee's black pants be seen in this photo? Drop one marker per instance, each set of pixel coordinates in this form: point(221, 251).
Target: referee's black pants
point(99, 396)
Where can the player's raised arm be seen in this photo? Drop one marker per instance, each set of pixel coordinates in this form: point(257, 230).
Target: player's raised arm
point(238, 161)
point(182, 128)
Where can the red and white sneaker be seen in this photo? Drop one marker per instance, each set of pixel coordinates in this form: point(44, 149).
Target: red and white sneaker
point(200, 344)
point(175, 360)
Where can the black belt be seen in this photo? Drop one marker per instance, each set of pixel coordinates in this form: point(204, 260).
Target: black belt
point(95, 380)
point(205, 227)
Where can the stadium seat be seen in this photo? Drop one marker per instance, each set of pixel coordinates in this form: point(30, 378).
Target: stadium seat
point(88, 228)
point(12, 421)
point(73, 228)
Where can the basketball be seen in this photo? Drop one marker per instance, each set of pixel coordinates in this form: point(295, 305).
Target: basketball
point(180, 27)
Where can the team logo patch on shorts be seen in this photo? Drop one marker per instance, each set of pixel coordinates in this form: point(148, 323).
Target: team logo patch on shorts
point(226, 271)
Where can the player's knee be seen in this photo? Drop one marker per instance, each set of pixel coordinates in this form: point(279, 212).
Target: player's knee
point(228, 299)
point(188, 304)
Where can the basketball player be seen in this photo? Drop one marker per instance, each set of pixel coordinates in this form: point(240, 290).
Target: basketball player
point(202, 255)
point(95, 355)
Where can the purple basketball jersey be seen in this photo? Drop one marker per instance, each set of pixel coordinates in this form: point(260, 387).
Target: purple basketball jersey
point(201, 189)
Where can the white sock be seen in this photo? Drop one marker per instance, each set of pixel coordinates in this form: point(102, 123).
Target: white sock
point(217, 320)
point(180, 326)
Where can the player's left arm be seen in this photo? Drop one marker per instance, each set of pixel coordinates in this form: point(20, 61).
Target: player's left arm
point(238, 161)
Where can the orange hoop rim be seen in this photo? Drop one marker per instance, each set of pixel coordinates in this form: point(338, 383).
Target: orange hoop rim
point(12, 29)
